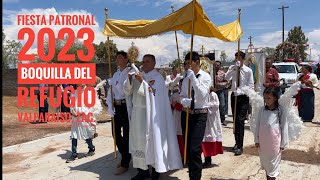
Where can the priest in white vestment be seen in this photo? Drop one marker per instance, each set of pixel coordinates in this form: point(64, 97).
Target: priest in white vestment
point(152, 139)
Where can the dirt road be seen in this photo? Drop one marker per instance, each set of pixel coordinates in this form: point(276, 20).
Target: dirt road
point(15, 132)
point(45, 158)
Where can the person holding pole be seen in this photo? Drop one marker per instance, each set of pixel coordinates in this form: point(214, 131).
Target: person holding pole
point(241, 75)
point(198, 104)
point(120, 113)
point(153, 140)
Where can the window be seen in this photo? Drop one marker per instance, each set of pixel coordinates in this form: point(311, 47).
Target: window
point(286, 68)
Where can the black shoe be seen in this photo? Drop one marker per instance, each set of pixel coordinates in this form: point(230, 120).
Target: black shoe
point(71, 158)
point(224, 123)
point(155, 175)
point(91, 152)
point(35, 122)
point(141, 176)
point(206, 164)
point(235, 147)
point(238, 152)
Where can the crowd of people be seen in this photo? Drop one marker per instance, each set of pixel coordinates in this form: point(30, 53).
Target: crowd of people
point(150, 115)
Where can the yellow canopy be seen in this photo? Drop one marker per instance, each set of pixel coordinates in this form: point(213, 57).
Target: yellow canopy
point(179, 20)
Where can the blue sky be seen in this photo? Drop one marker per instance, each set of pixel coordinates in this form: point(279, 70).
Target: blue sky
point(260, 19)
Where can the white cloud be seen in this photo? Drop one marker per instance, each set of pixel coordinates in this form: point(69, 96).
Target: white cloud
point(162, 46)
point(314, 36)
point(11, 28)
point(271, 39)
point(314, 41)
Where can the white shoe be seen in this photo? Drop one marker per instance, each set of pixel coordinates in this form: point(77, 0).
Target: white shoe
point(246, 121)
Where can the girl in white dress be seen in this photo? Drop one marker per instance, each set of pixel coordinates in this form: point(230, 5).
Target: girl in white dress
point(271, 135)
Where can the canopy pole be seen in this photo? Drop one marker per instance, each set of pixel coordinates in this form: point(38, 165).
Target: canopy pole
point(189, 86)
point(111, 94)
point(175, 33)
point(237, 82)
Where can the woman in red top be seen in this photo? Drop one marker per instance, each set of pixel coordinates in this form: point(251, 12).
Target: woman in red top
point(305, 98)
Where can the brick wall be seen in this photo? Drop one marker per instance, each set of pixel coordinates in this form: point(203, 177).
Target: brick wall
point(10, 81)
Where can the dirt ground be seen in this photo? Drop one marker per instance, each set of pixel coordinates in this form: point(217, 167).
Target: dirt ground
point(15, 132)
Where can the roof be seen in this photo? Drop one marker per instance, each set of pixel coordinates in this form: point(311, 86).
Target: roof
point(285, 63)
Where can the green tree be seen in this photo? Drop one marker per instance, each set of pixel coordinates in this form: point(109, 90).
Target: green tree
point(138, 63)
point(10, 51)
point(297, 36)
point(77, 45)
point(101, 51)
point(270, 52)
point(58, 46)
point(175, 63)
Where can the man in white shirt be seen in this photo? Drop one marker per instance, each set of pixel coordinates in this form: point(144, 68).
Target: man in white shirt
point(199, 104)
point(153, 139)
point(241, 76)
point(172, 81)
point(120, 112)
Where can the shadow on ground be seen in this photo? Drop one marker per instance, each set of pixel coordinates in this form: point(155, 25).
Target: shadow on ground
point(293, 155)
point(67, 154)
point(222, 179)
point(105, 166)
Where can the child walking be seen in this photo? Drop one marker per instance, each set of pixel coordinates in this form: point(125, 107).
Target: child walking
point(212, 140)
point(81, 129)
point(271, 135)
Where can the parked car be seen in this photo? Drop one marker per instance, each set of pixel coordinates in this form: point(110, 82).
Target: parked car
point(314, 67)
point(288, 73)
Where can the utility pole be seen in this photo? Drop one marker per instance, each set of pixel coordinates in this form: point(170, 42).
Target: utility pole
point(282, 8)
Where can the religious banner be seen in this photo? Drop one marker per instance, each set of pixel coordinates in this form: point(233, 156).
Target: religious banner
point(255, 60)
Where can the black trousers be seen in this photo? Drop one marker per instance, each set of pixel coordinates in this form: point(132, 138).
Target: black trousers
point(222, 104)
point(43, 110)
point(241, 112)
point(64, 108)
point(122, 140)
point(196, 129)
point(145, 172)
